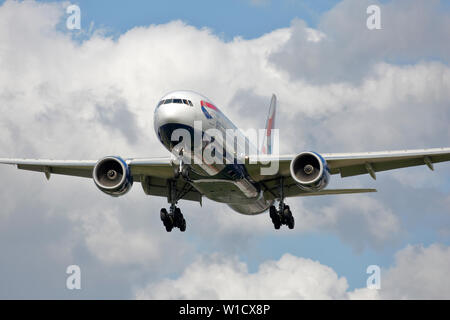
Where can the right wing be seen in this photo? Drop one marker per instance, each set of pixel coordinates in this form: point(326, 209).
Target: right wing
point(153, 173)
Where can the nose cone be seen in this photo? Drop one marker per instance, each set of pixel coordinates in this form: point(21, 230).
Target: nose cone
point(170, 117)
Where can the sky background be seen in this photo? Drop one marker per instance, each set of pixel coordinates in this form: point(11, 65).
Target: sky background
point(341, 88)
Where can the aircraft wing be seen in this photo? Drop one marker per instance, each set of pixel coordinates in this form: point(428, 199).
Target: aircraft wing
point(153, 173)
point(345, 164)
point(352, 164)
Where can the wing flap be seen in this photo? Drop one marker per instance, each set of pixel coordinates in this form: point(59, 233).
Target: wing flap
point(336, 191)
point(291, 189)
point(69, 171)
point(155, 186)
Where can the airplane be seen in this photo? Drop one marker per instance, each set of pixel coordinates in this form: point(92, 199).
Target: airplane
point(240, 183)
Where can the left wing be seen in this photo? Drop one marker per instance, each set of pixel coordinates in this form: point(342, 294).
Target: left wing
point(352, 164)
point(345, 164)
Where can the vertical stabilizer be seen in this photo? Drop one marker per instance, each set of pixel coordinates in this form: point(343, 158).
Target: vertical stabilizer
point(266, 147)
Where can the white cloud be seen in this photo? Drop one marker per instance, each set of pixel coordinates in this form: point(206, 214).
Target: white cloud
point(418, 273)
point(219, 277)
point(410, 33)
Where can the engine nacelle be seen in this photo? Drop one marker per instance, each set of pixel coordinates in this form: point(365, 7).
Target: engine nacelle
point(112, 176)
point(309, 170)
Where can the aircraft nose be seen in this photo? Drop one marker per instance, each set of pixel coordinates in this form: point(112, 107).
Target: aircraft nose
point(170, 117)
point(172, 113)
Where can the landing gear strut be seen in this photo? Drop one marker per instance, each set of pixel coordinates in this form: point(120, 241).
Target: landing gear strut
point(174, 218)
point(283, 215)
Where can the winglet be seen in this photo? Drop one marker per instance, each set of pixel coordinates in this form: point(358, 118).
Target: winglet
point(266, 147)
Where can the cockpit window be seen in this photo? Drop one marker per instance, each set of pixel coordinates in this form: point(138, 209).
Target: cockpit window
point(181, 101)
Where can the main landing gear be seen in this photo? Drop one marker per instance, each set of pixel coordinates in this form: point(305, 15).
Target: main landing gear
point(283, 215)
point(174, 218)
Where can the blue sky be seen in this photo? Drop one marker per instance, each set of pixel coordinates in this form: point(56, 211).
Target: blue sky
point(228, 19)
point(314, 101)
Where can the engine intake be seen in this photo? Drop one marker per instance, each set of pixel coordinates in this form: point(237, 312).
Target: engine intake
point(112, 176)
point(309, 170)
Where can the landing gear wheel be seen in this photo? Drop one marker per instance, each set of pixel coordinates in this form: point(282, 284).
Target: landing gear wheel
point(166, 219)
point(291, 221)
point(183, 226)
point(275, 217)
point(177, 217)
point(174, 219)
point(164, 215)
point(288, 218)
point(281, 216)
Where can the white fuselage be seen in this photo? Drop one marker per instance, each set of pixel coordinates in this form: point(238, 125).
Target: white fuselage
point(185, 112)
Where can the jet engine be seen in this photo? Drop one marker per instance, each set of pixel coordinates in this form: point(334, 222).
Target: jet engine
point(309, 170)
point(112, 176)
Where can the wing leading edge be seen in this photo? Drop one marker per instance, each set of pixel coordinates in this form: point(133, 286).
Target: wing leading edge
point(158, 167)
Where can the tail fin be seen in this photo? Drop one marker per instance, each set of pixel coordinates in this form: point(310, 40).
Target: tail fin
point(266, 147)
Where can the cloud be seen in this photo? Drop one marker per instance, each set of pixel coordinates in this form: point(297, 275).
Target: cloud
point(411, 32)
point(218, 277)
point(418, 273)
